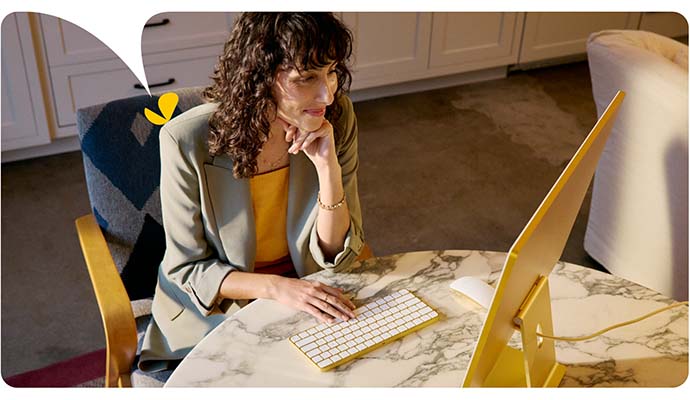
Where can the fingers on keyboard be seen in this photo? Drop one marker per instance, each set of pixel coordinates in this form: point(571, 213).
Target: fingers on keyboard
point(386, 319)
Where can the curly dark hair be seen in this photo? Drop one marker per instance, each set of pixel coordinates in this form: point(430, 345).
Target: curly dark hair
point(260, 44)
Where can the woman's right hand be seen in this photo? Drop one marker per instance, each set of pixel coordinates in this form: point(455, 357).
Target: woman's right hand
point(322, 301)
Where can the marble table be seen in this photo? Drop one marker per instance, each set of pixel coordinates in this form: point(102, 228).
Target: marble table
point(252, 349)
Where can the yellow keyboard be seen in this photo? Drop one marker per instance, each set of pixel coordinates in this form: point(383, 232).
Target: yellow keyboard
point(377, 323)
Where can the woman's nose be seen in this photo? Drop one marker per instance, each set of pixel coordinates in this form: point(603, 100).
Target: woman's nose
point(326, 91)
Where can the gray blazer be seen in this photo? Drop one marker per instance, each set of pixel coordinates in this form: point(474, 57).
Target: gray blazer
point(209, 230)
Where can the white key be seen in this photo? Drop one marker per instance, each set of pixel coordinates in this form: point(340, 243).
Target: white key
point(386, 335)
point(319, 335)
point(378, 339)
point(405, 297)
point(411, 302)
point(314, 352)
point(360, 347)
point(349, 336)
point(359, 340)
point(303, 335)
point(352, 351)
point(320, 342)
point(433, 313)
point(409, 325)
point(305, 341)
point(376, 332)
point(368, 336)
point(308, 347)
point(415, 314)
point(369, 343)
point(394, 331)
point(317, 359)
point(326, 353)
point(328, 331)
point(328, 338)
point(417, 321)
point(295, 339)
point(324, 363)
point(342, 347)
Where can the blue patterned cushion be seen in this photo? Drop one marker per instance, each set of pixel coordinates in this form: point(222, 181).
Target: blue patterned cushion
point(122, 167)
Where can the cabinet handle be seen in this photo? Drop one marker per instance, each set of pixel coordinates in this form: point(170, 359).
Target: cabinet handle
point(169, 82)
point(165, 21)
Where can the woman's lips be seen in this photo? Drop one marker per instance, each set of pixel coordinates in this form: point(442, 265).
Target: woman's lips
point(317, 112)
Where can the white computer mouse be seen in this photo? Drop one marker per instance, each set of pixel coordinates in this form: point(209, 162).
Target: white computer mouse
point(474, 288)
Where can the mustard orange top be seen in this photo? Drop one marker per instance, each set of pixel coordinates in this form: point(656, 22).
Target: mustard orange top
point(269, 200)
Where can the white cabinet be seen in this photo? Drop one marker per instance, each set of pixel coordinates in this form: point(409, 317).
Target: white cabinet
point(51, 68)
point(664, 23)
point(23, 113)
point(471, 41)
point(390, 48)
point(179, 50)
point(559, 34)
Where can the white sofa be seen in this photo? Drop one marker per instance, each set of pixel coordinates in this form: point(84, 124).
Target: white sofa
point(638, 219)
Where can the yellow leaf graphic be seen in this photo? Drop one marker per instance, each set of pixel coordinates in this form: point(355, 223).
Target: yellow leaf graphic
point(167, 104)
point(154, 118)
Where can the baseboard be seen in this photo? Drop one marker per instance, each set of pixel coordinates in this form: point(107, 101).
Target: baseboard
point(428, 84)
point(58, 146)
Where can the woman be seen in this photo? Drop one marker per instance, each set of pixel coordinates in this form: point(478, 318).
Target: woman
point(258, 186)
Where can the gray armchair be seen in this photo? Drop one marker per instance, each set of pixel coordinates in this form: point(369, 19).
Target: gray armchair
point(123, 239)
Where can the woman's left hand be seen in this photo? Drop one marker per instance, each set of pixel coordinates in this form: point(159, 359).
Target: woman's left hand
point(318, 145)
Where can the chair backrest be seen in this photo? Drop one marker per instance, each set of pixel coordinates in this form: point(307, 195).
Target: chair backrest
point(122, 167)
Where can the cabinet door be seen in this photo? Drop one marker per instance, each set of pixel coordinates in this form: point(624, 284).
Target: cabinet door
point(21, 95)
point(473, 41)
point(68, 44)
point(558, 34)
point(664, 23)
point(388, 47)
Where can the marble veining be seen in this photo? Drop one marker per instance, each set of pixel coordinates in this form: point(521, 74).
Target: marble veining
point(252, 348)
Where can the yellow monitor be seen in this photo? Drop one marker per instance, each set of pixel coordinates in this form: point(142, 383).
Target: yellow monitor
point(521, 300)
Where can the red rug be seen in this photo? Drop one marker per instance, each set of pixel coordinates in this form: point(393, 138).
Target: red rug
point(69, 373)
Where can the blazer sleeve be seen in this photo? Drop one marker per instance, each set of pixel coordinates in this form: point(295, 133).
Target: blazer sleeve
point(349, 163)
point(189, 261)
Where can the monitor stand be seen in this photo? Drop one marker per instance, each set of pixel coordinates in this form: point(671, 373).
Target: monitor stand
point(535, 365)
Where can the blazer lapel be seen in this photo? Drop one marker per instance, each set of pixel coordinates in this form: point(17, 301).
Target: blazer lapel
point(232, 206)
point(303, 187)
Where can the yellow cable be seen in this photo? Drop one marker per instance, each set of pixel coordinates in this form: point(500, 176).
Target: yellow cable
point(632, 321)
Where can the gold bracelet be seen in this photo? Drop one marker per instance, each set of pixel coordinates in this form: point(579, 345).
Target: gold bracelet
point(334, 206)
